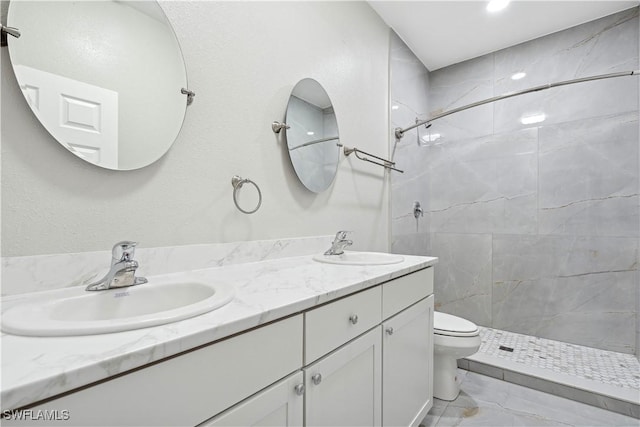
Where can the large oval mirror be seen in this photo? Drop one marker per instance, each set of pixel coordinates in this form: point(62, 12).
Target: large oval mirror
point(103, 77)
point(312, 137)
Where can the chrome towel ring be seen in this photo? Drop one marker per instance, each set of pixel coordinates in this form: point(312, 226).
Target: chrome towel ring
point(238, 182)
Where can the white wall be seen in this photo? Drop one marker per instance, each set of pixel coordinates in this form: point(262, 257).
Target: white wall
point(243, 59)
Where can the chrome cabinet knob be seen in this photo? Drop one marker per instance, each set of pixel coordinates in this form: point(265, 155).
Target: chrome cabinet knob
point(389, 330)
point(299, 389)
point(353, 319)
point(317, 379)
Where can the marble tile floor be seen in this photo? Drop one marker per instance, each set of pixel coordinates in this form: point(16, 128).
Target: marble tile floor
point(487, 401)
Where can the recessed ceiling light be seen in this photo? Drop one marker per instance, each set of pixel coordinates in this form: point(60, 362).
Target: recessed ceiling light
point(394, 107)
point(310, 133)
point(496, 5)
point(518, 76)
point(536, 118)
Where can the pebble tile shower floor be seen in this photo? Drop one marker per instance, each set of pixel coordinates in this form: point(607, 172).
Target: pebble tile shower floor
point(601, 378)
point(618, 369)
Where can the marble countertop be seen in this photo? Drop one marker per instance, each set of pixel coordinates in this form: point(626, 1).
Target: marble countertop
point(36, 368)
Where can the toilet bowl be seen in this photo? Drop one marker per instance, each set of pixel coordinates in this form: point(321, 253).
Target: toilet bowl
point(453, 339)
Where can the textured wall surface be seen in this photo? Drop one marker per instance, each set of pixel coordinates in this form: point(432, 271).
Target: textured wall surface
point(242, 59)
point(536, 226)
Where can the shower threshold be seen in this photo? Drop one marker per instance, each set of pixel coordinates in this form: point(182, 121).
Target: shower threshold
point(605, 379)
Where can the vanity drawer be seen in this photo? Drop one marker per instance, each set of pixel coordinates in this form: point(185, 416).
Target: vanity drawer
point(187, 389)
point(334, 324)
point(404, 291)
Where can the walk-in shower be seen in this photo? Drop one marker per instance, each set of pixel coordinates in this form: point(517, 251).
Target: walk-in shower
point(531, 201)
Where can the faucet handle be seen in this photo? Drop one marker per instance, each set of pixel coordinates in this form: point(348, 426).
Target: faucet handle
point(342, 234)
point(123, 251)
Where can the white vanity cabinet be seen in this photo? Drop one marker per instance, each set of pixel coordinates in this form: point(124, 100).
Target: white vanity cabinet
point(383, 377)
point(361, 360)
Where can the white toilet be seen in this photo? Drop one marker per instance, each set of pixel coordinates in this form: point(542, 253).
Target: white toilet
point(454, 338)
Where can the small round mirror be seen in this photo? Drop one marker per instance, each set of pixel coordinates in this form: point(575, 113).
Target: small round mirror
point(312, 137)
point(103, 77)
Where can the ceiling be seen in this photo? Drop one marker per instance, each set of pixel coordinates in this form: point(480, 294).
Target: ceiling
point(442, 33)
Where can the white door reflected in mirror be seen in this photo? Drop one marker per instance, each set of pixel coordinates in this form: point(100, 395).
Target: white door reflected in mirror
point(103, 77)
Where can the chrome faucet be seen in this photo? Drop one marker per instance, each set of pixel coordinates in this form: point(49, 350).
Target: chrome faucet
point(123, 269)
point(339, 243)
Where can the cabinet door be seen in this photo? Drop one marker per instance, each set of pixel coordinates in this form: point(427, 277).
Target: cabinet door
point(344, 388)
point(407, 356)
point(279, 405)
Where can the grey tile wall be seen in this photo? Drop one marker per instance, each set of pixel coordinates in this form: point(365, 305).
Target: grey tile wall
point(536, 226)
point(410, 83)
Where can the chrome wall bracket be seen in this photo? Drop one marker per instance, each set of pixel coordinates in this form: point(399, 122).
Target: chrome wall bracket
point(190, 95)
point(4, 30)
point(276, 127)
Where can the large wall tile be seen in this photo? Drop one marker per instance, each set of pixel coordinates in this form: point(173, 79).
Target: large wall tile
point(603, 46)
point(606, 45)
point(592, 310)
point(588, 179)
point(411, 244)
point(485, 185)
point(574, 289)
point(403, 197)
point(463, 275)
point(459, 85)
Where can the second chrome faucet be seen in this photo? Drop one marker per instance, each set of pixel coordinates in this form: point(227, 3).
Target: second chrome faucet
point(339, 243)
point(123, 269)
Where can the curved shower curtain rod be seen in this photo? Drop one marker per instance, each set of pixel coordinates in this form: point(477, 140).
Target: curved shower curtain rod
point(399, 132)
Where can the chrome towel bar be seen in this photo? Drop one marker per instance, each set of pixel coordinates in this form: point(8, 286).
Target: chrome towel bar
point(387, 164)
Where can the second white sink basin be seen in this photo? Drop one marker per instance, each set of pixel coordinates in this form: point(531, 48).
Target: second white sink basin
point(360, 258)
point(74, 311)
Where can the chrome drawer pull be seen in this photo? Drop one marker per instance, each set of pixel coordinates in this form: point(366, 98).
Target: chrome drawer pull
point(353, 319)
point(299, 389)
point(389, 330)
point(317, 379)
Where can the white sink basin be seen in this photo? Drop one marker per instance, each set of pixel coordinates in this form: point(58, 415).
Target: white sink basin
point(74, 311)
point(360, 258)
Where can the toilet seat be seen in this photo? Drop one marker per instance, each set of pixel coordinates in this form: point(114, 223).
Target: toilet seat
point(453, 326)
